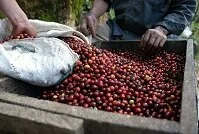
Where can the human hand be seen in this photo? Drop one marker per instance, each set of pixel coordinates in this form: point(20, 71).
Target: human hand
point(23, 27)
point(89, 25)
point(154, 38)
point(17, 18)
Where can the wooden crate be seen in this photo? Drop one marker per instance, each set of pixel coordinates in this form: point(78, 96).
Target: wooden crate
point(20, 94)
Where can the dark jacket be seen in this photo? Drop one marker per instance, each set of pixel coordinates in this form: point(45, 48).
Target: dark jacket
point(136, 16)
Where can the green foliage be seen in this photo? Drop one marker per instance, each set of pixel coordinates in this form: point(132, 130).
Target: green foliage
point(195, 30)
point(195, 36)
point(87, 5)
point(42, 10)
point(69, 12)
point(76, 10)
point(2, 16)
point(195, 24)
point(111, 14)
point(46, 12)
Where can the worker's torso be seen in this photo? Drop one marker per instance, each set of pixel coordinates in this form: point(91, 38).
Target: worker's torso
point(139, 15)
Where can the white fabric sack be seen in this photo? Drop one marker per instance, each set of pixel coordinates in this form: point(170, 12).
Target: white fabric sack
point(42, 61)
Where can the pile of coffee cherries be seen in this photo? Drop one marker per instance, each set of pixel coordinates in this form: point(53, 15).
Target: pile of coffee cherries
point(123, 82)
point(20, 36)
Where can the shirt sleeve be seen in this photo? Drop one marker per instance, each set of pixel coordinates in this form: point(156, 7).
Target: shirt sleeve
point(179, 16)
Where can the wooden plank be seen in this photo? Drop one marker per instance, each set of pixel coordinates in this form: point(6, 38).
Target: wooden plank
point(189, 120)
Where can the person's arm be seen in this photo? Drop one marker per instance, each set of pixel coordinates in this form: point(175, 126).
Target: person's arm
point(17, 17)
point(90, 21)
point(179, 16)
point(99, 7)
